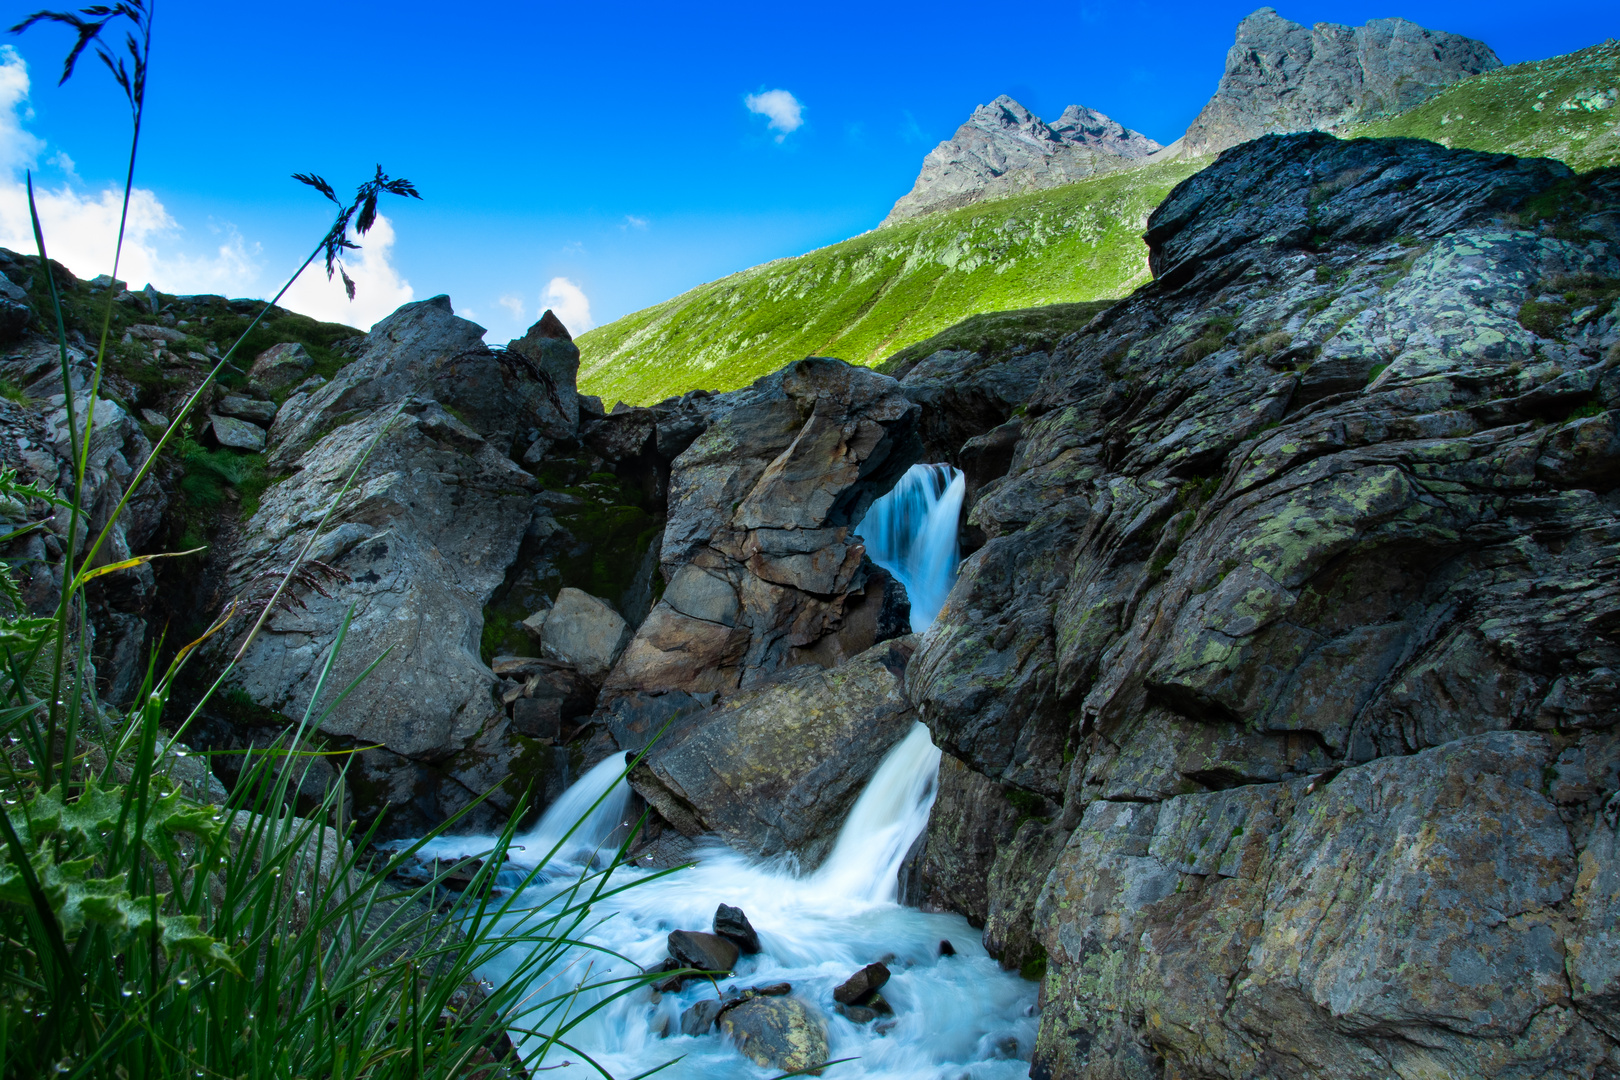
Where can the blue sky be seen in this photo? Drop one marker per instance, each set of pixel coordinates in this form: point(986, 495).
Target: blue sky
point(607, 147)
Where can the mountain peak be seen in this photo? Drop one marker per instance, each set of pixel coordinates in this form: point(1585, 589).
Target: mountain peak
point(1004, 149)
point(1282, 76)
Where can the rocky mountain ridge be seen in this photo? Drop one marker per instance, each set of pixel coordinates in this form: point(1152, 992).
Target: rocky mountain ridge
point(1280, 77)
point(1004, 149)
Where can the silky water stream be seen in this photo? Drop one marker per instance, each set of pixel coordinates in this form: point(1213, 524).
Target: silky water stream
point(911, 532)
point(956, 1016)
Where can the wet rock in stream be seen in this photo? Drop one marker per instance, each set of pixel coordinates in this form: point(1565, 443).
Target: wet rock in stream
point(705, 952)
point(778, 1032)
point(731, 924)
point(859, 987)
point(700, 1018)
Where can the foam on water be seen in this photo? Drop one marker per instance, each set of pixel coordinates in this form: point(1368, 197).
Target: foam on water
point(911, 533)
point(956, 1017)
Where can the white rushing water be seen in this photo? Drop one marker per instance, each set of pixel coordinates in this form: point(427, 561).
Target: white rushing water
point(956, 1017)
point(911, 533)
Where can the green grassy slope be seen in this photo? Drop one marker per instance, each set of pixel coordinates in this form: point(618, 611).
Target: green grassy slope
point(868, 297)
point(885, 291)
point(1531, 110)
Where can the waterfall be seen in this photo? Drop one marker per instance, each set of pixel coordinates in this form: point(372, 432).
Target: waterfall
point(911, 533)
point(890, 814)
point(956, 1016)
point(595, 802)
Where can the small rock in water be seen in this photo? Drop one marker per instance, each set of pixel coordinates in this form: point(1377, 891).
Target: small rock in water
point(701, 1017)
point(659, 1024)
point(706, 952)
point(778, 1032)
point(670, 985)
point(858, 1014)
point(731, 924)
point(859, 986)
point(878, 1004)
point(946, 948)
point(773, 990)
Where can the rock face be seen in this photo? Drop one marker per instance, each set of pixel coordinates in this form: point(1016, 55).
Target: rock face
point(764, 568)
point(426, 534)
point(1293, 641)
point(1282, 77)
point(1004, 149)
point(775, 770)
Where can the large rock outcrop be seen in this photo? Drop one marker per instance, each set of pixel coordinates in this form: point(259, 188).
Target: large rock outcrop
point(763, 566)
point(437, 514)
point(1293, 641)
point(775, 771)
point(1005, 149)
point(766, 586)
point(1283, 77)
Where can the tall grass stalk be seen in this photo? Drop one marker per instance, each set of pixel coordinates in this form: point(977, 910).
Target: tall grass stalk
point(144, 933)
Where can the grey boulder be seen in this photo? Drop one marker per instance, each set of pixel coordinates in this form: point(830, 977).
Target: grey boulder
point(775, 770)
point(434, 520)
point(236, 434)
point(246, 408)
point(279, 367)
point(582, 631)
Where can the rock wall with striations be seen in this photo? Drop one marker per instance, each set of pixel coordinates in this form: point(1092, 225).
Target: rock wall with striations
point(1005, 149)
point(1292, 647)
point(1283, 77)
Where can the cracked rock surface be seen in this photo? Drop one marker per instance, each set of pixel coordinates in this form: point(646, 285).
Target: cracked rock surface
point(1292, 649)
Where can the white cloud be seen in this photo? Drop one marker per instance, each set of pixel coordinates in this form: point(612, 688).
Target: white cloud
point(378, 287)
point(633, 222)
point(81, 227)
point(18, 148)
point(514, 304)
point(783, 109)
point(569, 303)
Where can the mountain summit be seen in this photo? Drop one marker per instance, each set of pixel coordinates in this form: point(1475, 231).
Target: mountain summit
point(1282, 77)
point(1004, 149)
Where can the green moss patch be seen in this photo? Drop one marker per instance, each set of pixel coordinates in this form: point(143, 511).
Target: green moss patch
point(214, 480)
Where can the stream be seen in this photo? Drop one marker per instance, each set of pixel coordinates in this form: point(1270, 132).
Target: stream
point(957, 1017)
